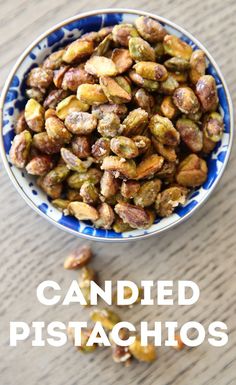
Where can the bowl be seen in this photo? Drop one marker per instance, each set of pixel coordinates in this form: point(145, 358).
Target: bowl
point(13, 101)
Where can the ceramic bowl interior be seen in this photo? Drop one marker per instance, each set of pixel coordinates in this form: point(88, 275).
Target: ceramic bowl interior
point(13, 101)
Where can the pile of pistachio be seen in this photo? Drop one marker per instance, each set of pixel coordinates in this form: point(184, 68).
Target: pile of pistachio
point(79, 259)
point(118, 124)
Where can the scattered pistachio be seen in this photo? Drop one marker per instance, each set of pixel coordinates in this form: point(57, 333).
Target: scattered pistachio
point(107, 317)
point(143, 353)
point(78, 258)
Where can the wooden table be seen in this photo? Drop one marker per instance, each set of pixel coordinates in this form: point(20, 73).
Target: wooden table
point(202, 249)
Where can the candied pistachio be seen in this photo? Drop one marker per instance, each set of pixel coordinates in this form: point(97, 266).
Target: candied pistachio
point(114, 92)
point(192, 171)
point(185, 100)
point(50, 112)
point(83, 211)
point(106, 216)
point(81, 146)
point(197, 65)
point(76, 180)
point(39, 165)
point(168, 108)
point(143, 353)
point(81, 123)
point(53, 191)
point(54, 61)
point(57, 175)
point(72, 161)
point(167, 152)
point(91, 36)
point(150, 29)
point(190, 134)
point(43, 143)
point(39, 78)
point(34, 115)
point(122, 59)
point(195, 117)
point(109, 125)
point(169, 86)
point(59, 75)
point(163, 130)
point(124, 82)
point(56, 130)
point(21, 124)
point(149, 166)
point(129, 188)
point(167, 173)
point(147, 193)
point(61, 204)
point(159, 51)
point(118, 109)
point(134, 216)
point(76, 76)
point(20, 149)
point(135, 122)
point(213, 127)
point(108, 185)
point(105, 31)
point(104, 46)
point(73, 195)
point(78, 50)
point(208, 145)
point(169, 199)
point(54, 97)
point(101, 66)
point(89, 193)
point(174, 46)
point(142, 142)
point(120, 166)
point(177, 64)
point(207, 92)
point(124, 147)
point(150, 85)
point(121, 34)
point(70, 104)
point(91, 94)
point(141, 50)
point(180, 77)
point(101, 149)
point(144, 100)
point(151, 70)
point(119, 226)
point(36, 94)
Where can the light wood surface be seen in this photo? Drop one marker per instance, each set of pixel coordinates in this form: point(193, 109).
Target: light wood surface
point(202, 249)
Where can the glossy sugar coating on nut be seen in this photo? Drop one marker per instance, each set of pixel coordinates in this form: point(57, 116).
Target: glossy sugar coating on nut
point(118, 126)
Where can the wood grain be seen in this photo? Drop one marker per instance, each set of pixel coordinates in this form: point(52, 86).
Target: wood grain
point(202, 249)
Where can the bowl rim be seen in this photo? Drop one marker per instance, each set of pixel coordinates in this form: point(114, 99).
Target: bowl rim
point(78, 17)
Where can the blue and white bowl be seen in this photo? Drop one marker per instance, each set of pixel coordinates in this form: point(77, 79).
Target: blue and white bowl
point(13, 101)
